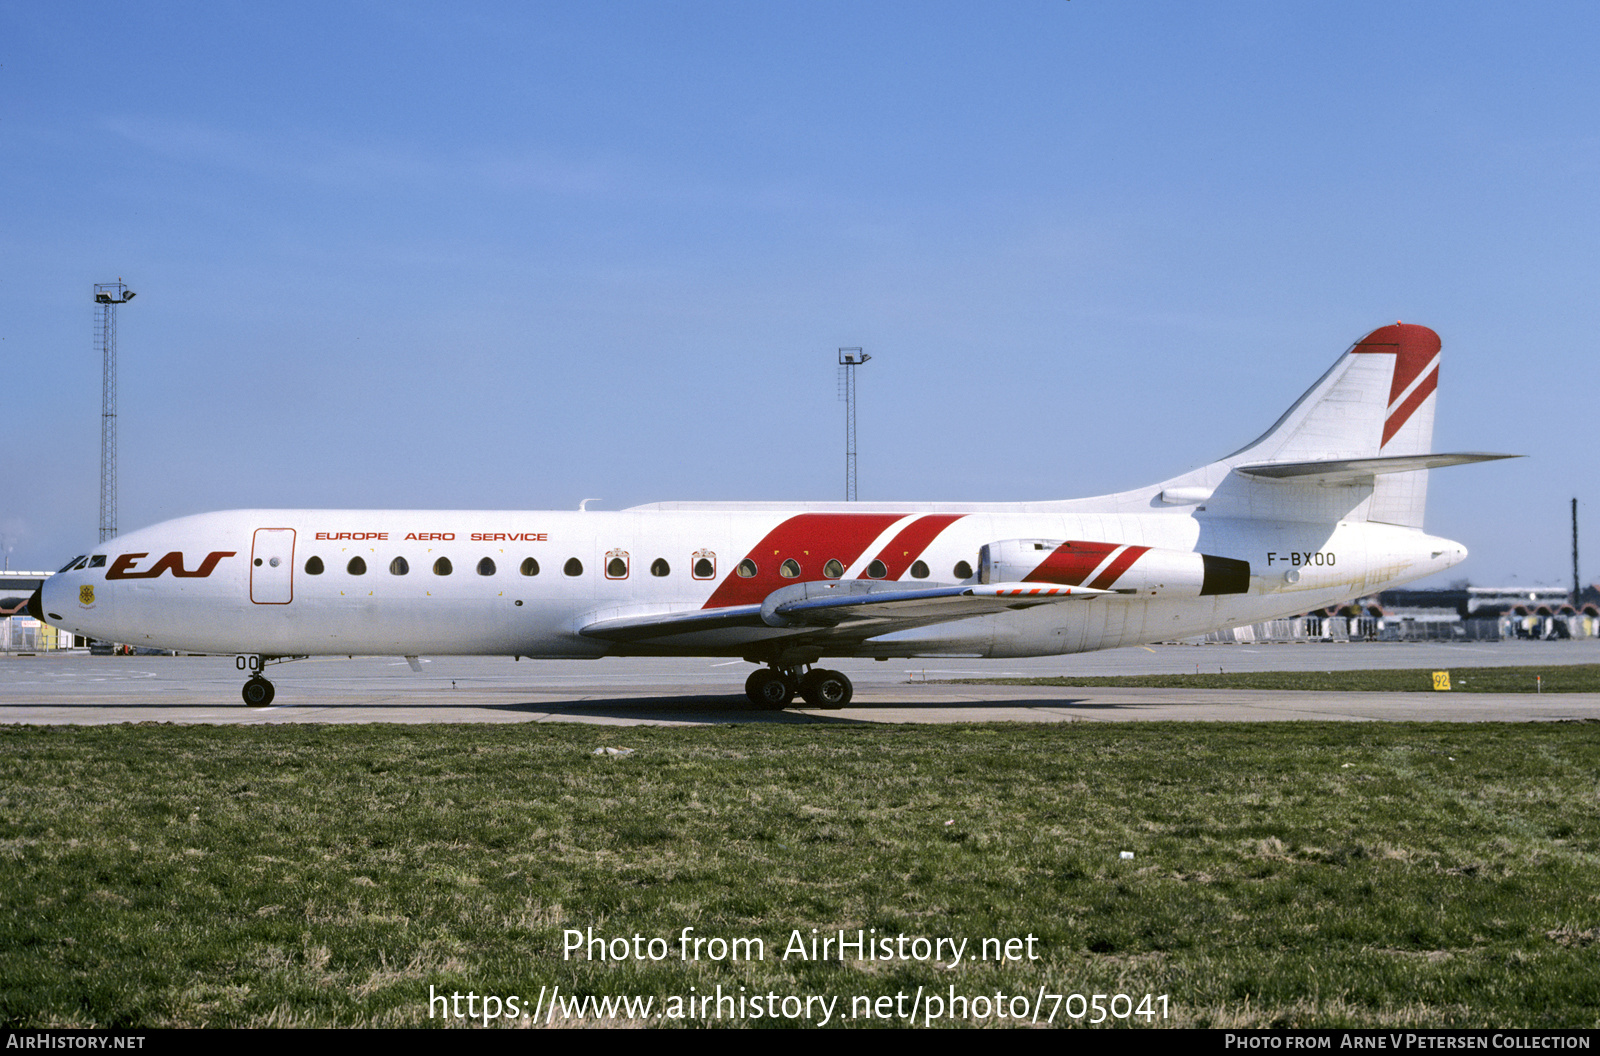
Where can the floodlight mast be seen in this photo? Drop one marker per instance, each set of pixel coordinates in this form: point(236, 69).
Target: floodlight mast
point(107, 295)
point(849, 360)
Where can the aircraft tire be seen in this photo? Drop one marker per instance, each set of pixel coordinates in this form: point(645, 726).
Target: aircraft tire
point(768, 689)
point(258, 692)
point(830, 690)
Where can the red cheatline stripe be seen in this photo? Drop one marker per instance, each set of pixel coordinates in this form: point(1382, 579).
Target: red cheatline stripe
point(1104, 580)
point(1403, 413)
point(909, 542)
point(1071, 562)
point(810, 539)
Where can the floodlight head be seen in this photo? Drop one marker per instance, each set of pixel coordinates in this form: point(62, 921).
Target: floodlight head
point(130, 295)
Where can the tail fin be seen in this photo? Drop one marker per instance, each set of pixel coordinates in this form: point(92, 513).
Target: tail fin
point(1354, 447)
point(1377, 399)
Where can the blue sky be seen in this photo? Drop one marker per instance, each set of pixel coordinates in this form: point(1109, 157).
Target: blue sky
point(517, 255)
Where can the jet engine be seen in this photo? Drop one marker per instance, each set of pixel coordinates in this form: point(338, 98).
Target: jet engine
point(1132, 570)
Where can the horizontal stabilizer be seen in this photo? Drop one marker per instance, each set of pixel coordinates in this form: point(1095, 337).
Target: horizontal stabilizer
point(1359, 470)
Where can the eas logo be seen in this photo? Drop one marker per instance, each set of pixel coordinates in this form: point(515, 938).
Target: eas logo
point(122, 567)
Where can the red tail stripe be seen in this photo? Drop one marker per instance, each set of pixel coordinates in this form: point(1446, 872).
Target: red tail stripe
point(810, 539)
point(1104, 580)
point(909, 542)
point(1413, 347)
point(1402, 414)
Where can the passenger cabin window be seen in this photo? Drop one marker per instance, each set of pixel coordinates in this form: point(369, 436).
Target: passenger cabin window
point(919, 570)
point(617, 564)
point(705, 564)
point(530, 567)
point(659, 567)
point(573, 567)
point(877, 570)
point(789, 569)
point(963, 570)
point(314, 566)
point(442, 567)
point(356, 567)
point(399, 567)
point(486, 567)
point(746, 569)
point(833, 569)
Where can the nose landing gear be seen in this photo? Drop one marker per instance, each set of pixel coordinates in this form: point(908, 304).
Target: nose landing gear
point(775, 689)
point(257, 691)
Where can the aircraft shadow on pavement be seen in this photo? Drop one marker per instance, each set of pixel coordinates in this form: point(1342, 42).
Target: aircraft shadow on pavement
point(704, 709)
point(737, 709)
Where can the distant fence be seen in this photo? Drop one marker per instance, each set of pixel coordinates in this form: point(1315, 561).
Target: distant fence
point(1402, 629)
point(24, 634)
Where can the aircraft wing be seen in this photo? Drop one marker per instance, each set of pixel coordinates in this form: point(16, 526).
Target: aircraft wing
point(852, 609)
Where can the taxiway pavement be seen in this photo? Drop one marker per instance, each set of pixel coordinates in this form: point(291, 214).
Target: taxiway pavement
point(80, 689)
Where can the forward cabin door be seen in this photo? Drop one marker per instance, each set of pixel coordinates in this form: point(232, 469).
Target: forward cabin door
point(272, 566)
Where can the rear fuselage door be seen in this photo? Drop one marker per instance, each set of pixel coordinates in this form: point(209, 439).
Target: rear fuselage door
point(272, 566)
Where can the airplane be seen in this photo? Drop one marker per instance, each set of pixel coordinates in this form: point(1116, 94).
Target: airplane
point(1325, 506)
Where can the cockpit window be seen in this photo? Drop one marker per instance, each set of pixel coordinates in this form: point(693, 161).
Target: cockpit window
point(69, 565)
point(97, 561)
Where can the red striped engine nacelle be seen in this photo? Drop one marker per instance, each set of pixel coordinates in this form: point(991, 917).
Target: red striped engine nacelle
point(1142, 570)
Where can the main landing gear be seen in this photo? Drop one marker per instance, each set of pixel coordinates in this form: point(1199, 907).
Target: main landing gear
point(774, 689)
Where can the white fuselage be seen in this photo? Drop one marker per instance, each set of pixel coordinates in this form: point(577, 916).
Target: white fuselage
point(280, 582)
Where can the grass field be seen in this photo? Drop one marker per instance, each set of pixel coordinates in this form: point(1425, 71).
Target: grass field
point(1573, 678)
point(1282, 874)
